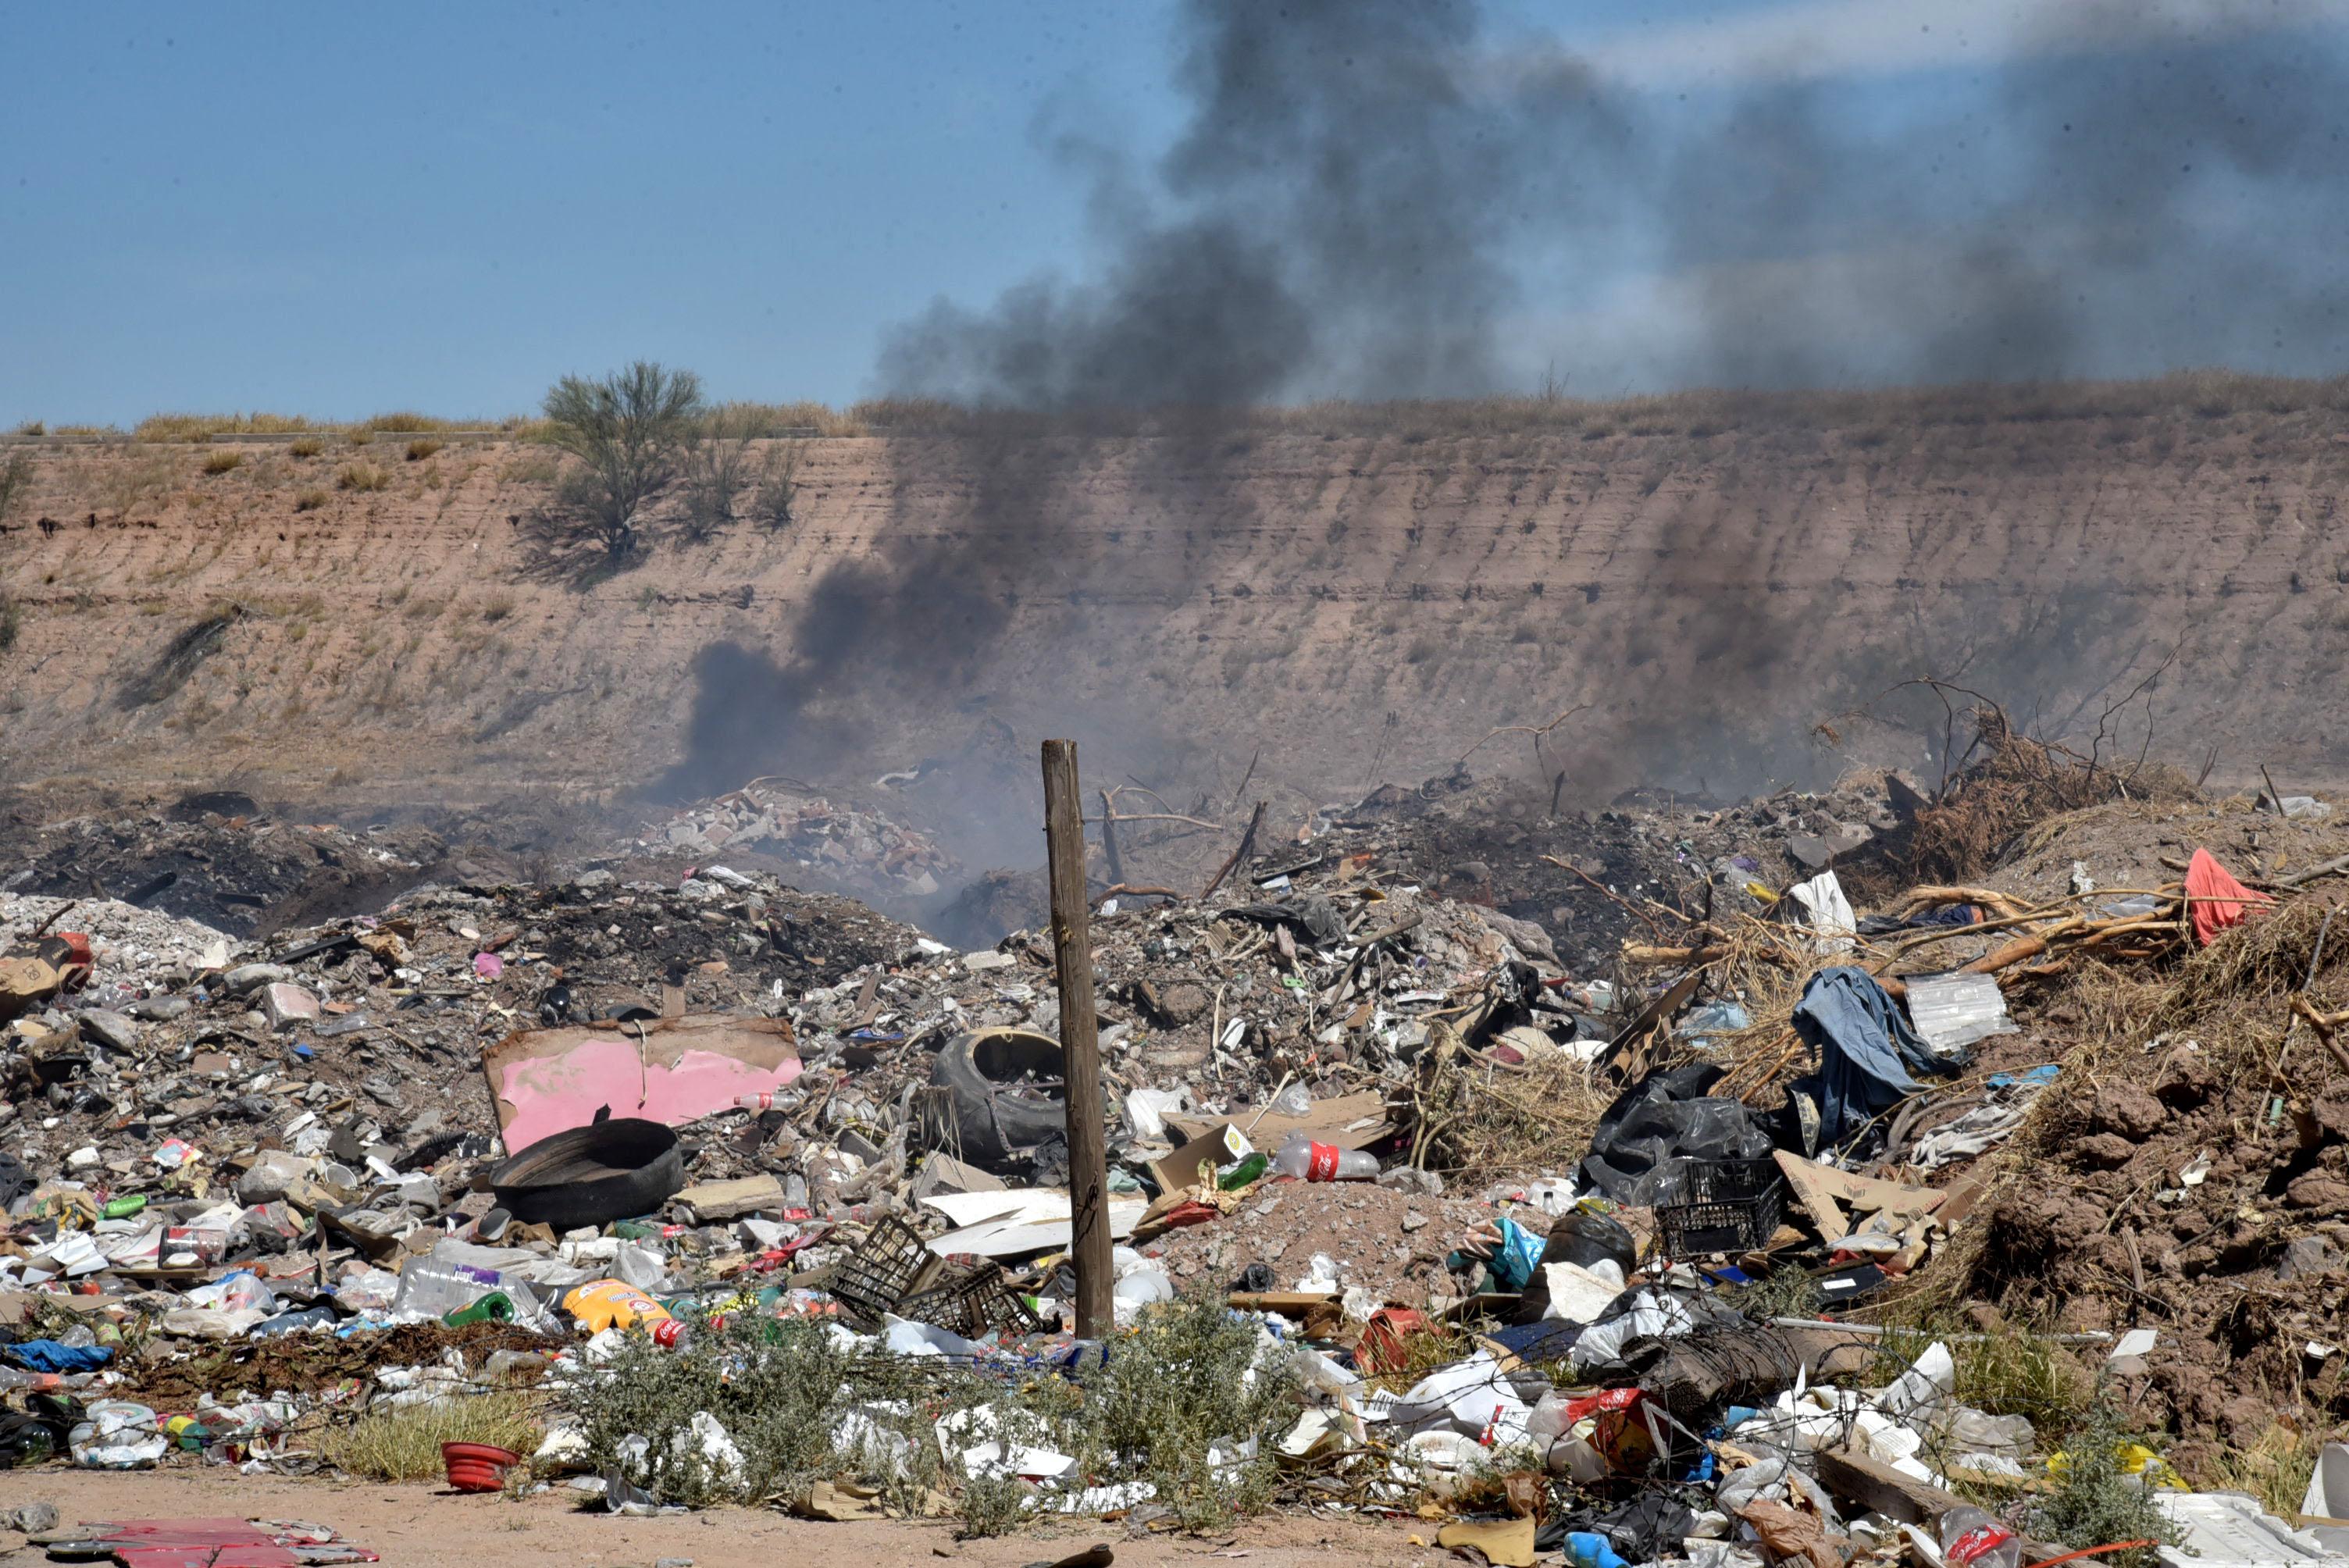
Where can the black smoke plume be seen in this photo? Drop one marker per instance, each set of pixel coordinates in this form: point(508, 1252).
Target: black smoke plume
point(1386, 198)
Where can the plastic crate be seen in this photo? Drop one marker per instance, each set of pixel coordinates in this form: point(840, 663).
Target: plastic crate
point(1732, 1206)
point(978, 1302)
point(891, 1265)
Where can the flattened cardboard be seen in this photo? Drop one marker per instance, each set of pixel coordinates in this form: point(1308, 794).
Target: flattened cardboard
point(1333, 1121)
point(1832, 1198)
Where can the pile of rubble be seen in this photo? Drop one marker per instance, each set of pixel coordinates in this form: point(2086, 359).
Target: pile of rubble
point(861, 849)
point(220, 859)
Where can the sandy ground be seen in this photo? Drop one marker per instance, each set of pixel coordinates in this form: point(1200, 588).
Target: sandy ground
point(420, 1524)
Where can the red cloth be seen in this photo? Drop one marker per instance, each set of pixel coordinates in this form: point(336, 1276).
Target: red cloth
point(2216, 900)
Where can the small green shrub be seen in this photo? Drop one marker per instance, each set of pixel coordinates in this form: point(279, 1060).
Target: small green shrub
point(2097, 1502)
point(1175, 1406)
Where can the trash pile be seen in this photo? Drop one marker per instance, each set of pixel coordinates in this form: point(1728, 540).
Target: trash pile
point(1796, 1225)
point(1471, 838)
point(860, 849)
point(219, 858)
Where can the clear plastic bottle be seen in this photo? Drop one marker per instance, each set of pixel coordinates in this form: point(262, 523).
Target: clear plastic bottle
point(435, 1288)
point(1972, 1538)
point(1302, 1158)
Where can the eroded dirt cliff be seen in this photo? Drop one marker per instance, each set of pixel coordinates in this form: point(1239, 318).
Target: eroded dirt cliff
point(1346, 609)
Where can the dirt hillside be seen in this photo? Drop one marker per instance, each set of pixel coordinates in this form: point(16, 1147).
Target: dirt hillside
point(1357, 607)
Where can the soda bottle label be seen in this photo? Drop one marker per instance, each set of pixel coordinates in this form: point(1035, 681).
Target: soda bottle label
point(1321, 1162)
point(1975, 1543)
point(668, 1332)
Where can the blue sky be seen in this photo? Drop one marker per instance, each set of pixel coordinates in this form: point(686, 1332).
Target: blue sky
point(334, 211)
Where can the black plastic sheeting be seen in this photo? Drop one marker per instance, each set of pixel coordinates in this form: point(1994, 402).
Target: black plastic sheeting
point(1639, 1154)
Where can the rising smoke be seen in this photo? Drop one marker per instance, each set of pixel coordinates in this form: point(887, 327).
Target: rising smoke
point(1383, 199)
point(1401, 198)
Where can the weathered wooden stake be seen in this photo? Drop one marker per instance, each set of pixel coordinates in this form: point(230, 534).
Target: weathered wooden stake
point(1064, 843)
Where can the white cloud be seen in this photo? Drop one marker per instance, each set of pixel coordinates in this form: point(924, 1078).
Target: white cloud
point(1807, 39)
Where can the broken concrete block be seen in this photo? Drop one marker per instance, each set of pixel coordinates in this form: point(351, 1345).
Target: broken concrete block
point(1809, 850)
point(271, 1176)
point(991, 959)
point(249, 977)
point(107, 1028)
point(285, 1006)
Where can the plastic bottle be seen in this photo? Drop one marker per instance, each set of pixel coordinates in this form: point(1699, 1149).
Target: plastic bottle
point(763, 1100)
point(1589, 1549)
point(1246, 1172)
point(497, 1306)
point(1972, 1538)
point(434, 1288)
point(1301, 1157)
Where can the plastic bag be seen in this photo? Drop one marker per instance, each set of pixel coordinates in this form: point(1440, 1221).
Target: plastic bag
point(1512, 1264)
point(1640, 1152)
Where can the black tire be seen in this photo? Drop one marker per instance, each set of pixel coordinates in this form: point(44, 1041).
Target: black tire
point(988, 1119)
point(591, 1175)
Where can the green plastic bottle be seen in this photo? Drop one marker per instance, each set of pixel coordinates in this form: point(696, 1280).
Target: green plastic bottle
point(1246, 1172)
point(495, 1308)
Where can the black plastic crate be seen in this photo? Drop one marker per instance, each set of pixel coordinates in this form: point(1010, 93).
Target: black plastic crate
point(891, 1265)
point(973, 1305)
point(1732, 1206)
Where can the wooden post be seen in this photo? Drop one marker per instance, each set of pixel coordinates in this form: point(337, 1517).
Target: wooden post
point(1109, 838)
point(1064, 844)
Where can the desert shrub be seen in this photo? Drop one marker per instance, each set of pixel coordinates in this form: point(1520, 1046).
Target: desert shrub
point(628, 431)
point(32, 427)
point(305, 446)
point(223, 462)
point(361, 477)
point(1174, 1407)
point(12, 622)
point(310, 500)
point(715, 468)
point(778, 483)
point(362, 438)
point(420, 449)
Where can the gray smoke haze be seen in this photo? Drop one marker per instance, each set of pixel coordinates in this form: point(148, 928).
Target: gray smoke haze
point(1401, 198)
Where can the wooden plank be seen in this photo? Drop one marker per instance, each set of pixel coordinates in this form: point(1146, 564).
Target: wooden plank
point(1879, 1486)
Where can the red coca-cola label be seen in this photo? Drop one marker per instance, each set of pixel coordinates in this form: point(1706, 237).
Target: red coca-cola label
point(668, 1332)
point(1321, 1162)
point(1975, 1543)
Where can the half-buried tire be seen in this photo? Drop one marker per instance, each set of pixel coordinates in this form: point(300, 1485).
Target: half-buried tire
point(1005, 1093)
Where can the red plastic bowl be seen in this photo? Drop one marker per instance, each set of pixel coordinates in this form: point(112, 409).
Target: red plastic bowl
point(477, 1467)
